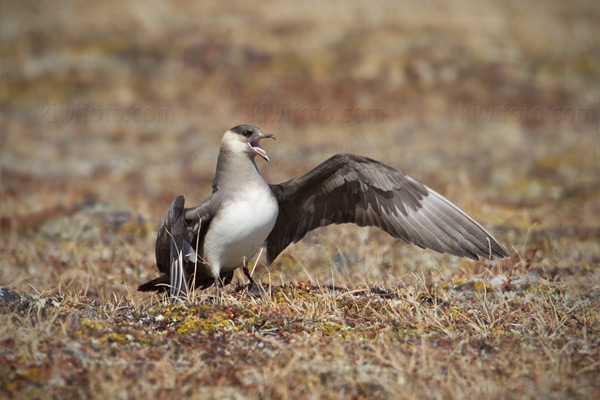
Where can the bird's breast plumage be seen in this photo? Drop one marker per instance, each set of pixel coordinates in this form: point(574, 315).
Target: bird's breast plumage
point(240, 227)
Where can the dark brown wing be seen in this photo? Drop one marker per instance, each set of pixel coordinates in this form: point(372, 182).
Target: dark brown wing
point(350, 188)
point(179, 226)
point(187, 222)
point(165, 237)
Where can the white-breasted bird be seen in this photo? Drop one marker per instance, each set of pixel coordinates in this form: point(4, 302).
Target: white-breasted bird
point(200, 246)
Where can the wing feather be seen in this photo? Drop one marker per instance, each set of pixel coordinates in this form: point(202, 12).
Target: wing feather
point(353, 189)
point(181, 229)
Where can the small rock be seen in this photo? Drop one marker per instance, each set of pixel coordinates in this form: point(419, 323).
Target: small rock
point(8, 297)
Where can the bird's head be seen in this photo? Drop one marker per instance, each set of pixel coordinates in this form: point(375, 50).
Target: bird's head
point(245, 139)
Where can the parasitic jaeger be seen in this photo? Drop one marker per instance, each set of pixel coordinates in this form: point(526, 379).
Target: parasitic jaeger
point(200, 246)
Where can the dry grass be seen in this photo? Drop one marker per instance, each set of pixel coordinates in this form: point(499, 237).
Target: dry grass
point(495, 105)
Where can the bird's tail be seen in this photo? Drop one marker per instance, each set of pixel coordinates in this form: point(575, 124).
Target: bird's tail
point(160, 284)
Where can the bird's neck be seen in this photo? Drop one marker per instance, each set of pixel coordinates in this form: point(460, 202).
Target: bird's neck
point(240, 166)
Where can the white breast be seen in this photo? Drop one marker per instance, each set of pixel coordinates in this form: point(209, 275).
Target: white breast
point(239, 229)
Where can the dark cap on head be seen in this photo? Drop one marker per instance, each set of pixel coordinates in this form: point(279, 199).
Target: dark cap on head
point(246, 130)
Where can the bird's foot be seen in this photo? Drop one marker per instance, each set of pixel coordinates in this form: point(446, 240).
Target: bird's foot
point(218, 283)
point(246, 271)
point(219, 286)
point(255, 289)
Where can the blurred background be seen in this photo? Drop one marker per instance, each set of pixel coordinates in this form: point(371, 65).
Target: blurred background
point(108, 110)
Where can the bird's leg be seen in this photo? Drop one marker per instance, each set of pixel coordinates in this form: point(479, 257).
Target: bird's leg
point(253, 289)
point(246, 271)
point(219, 286)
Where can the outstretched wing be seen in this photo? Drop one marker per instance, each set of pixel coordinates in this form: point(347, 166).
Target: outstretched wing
point(350, 188)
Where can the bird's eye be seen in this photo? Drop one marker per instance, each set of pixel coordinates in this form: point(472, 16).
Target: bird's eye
point(247, 133)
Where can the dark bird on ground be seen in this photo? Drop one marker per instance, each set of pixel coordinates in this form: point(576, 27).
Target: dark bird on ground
point(200, 246)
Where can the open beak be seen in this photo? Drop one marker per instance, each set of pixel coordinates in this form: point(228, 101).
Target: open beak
point(255, 146)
